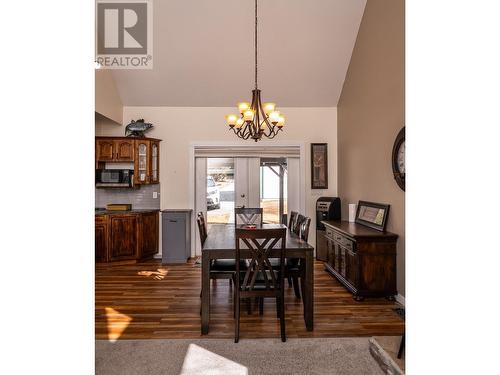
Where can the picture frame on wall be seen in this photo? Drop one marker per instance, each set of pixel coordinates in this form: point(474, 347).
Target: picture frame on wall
point(319, 165)
point(373, 215)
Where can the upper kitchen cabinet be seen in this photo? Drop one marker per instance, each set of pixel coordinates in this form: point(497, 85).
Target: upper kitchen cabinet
point(142, 169)
point(108, 149)
point(155, 161)
point(144, 153)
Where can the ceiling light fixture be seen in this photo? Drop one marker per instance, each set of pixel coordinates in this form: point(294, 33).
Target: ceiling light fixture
point(256, 119)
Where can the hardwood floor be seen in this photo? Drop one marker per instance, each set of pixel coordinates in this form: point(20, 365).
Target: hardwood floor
point(150, 300)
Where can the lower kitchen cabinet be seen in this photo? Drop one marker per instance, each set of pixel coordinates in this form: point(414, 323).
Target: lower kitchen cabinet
point(126, 236)
point(148, 234)
point(101, 239)
point(123, 237)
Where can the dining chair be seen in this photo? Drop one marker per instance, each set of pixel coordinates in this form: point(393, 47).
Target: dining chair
point(260, 280)
point(294, 266)
point(248, 215)
point(219, 268)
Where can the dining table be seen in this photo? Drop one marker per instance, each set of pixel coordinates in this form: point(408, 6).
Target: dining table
point(220, 244)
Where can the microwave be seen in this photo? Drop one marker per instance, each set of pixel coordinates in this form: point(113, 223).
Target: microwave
point(123, 178)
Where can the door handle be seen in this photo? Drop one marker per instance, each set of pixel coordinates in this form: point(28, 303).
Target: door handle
point(173, 221)
point(242, 195)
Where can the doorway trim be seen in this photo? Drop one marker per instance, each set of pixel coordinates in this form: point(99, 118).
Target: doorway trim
point(217, 144)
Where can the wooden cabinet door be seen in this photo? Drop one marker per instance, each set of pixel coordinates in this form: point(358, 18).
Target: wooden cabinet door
point(104, 149)
point(154, 158)
point(142, 164)
point(101, 239)
point(352, 267)
point(330, 248)
point(123, 237)
point(124, 150)
point(149, 234)
point(321, 247)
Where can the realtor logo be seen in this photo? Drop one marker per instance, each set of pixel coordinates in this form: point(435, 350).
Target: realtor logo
point(124, 34)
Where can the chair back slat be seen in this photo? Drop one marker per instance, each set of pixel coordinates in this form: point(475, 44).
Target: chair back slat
point(293, 220)
point(202, 227)
point(248, 215)
point(260, 243)
point(304, 228)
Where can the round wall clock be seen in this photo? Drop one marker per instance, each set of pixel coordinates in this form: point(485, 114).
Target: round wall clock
point(398, 159)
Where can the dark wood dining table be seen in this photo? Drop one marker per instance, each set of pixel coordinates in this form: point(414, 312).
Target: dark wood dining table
point(220, 244)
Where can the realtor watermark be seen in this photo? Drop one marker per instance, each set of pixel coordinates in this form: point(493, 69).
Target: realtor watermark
point(124, 34)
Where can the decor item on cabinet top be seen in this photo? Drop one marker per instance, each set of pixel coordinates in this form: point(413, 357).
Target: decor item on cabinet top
point(137, 128)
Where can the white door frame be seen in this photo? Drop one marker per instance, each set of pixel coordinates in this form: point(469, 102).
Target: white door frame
point(192, 177)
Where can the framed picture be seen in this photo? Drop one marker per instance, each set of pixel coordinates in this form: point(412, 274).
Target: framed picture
point(319, 165)
point(373, 215)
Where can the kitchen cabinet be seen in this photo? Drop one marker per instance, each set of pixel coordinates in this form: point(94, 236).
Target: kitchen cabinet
point(114, 150)
point(149, 232)
point(154, 161)
point(126, 236)
point(142, 162)
point(362, 259)
point(123, 237)
point(144, 153)
point(101, 239)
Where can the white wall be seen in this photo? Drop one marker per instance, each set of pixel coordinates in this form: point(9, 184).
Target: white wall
point(178, 127)
point(107, 99)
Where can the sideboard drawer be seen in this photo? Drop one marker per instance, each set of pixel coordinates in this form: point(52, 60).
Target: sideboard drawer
point(344, 241)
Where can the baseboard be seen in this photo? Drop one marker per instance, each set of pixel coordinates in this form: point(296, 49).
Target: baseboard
point(401, 299)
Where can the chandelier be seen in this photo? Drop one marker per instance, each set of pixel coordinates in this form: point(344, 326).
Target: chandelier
point(256, 119)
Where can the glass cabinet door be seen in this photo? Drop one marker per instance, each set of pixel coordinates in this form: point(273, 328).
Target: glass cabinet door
point(154, 162)
point(141, 169)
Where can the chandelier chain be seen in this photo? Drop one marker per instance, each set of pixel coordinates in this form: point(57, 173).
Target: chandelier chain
point(256, 44)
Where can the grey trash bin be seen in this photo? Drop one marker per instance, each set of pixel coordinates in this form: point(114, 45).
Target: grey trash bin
point(176, 235)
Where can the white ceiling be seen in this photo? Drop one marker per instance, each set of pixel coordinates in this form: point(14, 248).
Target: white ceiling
point(204, 57)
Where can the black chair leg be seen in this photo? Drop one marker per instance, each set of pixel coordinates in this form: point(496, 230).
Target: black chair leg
point(401, 347)
point(278, 307)
point(296, 288)
point(282, 317)
point(289, 281)
point(237, 323)
point(261, 305)
point(249, 306)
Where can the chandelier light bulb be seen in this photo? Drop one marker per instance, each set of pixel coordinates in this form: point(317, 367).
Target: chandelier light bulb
point(269, 107)
point(248, 115)
point(274, 117)
point(243, 106)
point(239, 123)
point(281, 121)
point(231, 120)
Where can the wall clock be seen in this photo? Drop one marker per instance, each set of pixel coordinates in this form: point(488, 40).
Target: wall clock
point(398, 159)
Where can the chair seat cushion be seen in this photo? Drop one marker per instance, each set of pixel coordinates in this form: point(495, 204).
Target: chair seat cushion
point(292, 263)
point(228, 265)
point(260, 283)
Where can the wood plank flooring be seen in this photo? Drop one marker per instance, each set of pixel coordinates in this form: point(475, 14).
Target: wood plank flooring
point(150, 300)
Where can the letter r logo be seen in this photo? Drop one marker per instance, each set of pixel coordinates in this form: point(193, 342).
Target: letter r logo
point(122, 28)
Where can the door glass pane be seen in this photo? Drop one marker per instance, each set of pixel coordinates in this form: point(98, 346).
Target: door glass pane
point(273, 189)
point(220, 190)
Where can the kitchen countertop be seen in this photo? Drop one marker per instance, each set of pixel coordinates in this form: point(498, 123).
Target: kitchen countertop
point(103, 211)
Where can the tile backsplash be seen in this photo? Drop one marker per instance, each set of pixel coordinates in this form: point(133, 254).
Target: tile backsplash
point(141, 198)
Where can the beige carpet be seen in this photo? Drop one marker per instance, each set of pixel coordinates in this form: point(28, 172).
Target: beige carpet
point(216, 356)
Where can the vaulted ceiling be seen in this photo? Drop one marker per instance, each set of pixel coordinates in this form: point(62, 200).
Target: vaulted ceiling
point(203, 53)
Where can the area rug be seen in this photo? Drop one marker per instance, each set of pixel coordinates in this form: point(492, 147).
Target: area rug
point(253, 356)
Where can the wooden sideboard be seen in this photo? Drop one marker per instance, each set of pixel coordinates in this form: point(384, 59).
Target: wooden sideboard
point(362, 259)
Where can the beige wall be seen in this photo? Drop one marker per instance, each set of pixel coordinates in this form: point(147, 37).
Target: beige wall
point(107, 99)
point(370, 115)
point(179, 127)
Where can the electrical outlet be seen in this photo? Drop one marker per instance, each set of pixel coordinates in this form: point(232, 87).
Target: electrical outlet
point(155, 194)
